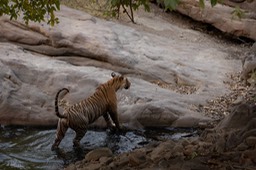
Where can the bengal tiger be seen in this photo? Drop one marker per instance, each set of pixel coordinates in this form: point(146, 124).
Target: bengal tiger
point(78, 116)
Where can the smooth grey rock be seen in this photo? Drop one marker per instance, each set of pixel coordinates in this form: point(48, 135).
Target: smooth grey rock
point(91, 49)
point(221, 17)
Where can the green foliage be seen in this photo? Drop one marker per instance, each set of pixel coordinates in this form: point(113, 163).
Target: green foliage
point(237, 12)
point(38, 10)
point(201, 4)
point(193, 155)
point(31, 10)
point(214, 2)
point(171, 4)
point(132, 5)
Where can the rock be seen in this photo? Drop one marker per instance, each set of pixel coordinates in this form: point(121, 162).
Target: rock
point(113, 165)
point(248, 157)
point(163, 164)
point(161, 150)
point(123, 160)
point(176, 152)
point(204, 147)
point(249, 66)
point(105, 160)
point(251, 141)
point(218, 15)
point(96, 154)
point(137, 157)
point(158, 66)
point(204, 153)
point(92, 166)
point(249, 5)
point(242, 147)
point(185, 142)
point(240, 115)
point(235, 132)
point(239, 100)
point(70, 167)
point(220, 145)
point(189, 150)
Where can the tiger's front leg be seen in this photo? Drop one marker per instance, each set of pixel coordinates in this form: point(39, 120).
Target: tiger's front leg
point(80, 132)
point(121, 130)
point(110, 124)
point(114, 117)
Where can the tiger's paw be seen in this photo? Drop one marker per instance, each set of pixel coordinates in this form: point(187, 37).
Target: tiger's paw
point(113, 129)
point(76, 144)
point(111, 125)
point(54, 147)
point(119, 131)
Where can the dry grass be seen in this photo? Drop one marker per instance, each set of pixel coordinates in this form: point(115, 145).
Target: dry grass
point(99, 8)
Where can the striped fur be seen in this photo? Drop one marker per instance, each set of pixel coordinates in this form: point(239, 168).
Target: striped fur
point(78, 116)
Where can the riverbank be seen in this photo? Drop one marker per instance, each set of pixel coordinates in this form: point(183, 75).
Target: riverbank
point(175, 66)
point(230, 144)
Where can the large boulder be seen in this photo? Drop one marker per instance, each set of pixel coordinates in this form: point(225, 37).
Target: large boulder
point(244, 4)
point(222, 17)
point(249, 66)
point(168, 76)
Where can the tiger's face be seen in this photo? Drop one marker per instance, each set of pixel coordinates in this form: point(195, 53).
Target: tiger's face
point(123, 81)
point(128, 84)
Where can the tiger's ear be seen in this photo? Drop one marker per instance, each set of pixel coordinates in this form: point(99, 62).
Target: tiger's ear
point(113, 74)
point(121, 77)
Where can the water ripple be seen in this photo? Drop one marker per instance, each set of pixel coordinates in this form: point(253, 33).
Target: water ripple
point(28, 148)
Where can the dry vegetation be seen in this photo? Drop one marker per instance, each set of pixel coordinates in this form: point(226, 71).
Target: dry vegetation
point(99, 8)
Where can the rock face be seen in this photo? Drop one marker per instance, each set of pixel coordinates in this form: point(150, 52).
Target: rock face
point(168, 75)
point(244, 4)
point(230, 144)
point(249, 66)
point(97, 154)
point(220, 16)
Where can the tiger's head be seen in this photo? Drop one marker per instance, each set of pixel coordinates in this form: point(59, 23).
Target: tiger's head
point(120, 82)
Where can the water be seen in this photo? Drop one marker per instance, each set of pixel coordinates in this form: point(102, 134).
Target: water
point(30, 148)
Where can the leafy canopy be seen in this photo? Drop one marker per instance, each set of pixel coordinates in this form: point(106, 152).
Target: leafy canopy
point(31, 10)
point(39, 10)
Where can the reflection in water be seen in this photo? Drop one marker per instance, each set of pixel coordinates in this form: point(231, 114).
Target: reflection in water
point(30, 148)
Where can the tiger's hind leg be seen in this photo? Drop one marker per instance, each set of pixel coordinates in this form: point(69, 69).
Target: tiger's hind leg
point(61, 130)
point(79, 135)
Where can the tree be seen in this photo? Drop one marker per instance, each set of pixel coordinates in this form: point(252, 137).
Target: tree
point(131, 4)
point(31, 10)
point(38, 10)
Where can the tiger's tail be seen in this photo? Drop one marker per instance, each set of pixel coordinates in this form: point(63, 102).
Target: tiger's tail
point(56, 103)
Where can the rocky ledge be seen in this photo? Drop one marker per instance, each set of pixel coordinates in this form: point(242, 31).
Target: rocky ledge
point(171, 69)
point(231, 144)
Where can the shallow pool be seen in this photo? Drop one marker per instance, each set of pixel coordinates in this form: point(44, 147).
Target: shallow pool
point(30, 148)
